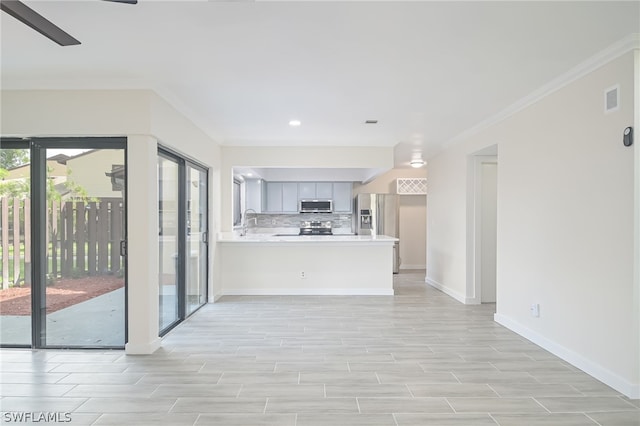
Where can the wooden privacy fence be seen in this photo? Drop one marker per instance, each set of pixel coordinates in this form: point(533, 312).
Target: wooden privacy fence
point(83, 238)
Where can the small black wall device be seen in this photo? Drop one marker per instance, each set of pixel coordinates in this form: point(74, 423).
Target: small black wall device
point(627, 138)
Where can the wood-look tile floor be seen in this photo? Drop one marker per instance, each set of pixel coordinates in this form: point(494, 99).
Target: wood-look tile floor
point(417, 358)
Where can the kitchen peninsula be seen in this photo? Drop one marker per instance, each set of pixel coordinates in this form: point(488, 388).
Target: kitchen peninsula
point(267, 264)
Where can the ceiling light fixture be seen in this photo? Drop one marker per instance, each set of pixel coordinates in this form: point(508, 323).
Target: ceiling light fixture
point(416, 163)
point(294, 123)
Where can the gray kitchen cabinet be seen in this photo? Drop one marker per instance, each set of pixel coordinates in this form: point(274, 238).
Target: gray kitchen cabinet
point(306, 190)
point(315, 190)
point(274, 197)
point(254, 196)
point(289, 197)
point(282, 197)
point(324, 190)
point(342, 197)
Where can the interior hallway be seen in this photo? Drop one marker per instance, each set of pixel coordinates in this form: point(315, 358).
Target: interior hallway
point(416, 358)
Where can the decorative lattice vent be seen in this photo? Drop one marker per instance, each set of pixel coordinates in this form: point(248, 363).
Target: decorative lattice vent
point(411, 186)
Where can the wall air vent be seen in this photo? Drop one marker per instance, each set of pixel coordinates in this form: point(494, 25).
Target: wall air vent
point(612, 99)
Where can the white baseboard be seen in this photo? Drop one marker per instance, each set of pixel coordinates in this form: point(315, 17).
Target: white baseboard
point(142, 348)
point(409, 266)
point(609, 378)
point(446, 290)
point(310, 292)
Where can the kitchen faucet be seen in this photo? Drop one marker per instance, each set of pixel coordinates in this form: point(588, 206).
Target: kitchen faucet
point(245, 225)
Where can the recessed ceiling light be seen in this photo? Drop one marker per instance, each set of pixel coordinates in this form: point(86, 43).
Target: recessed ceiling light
point(294, 123)
point(371, 122)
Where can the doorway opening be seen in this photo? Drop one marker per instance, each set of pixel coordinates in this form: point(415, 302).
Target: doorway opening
point(482, 236)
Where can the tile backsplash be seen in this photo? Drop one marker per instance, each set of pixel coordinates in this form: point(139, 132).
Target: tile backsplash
point(267, 222)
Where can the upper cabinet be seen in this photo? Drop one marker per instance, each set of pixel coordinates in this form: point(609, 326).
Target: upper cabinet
point(307, 190)
point(324, 190)
point(290, 197)
point(284, 197)
point(274, 196)
point(315, 190)
point(254, 194)
point(342, 199)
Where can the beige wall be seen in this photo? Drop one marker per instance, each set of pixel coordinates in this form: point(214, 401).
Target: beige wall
point(413, 215)
point(88, 171)
point(565, 224)
point(53, 169)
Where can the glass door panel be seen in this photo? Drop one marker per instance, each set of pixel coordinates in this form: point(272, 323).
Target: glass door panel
point(15, 247)
point(85, 272)
point(196, 264)
point(169, 223)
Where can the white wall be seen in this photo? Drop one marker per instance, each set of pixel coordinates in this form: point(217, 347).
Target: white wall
point(565, 224)
point(357, 268)
point(146, 119)
point(635, 325)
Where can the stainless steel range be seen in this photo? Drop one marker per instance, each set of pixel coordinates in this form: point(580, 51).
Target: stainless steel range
point(316, 227)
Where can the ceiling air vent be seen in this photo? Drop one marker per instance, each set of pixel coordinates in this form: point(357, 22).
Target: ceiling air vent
point(371, 122)
point(612, 99)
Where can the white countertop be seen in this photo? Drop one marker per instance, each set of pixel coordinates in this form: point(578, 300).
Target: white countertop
point(232, 237)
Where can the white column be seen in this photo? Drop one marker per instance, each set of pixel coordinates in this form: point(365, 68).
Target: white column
point(142, 216)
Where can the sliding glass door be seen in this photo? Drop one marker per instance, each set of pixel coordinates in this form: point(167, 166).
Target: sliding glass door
point(169, 240)
point(182, 238)
point(63, 231)
point(15, 244)
point(196, 265)
point(85, 229)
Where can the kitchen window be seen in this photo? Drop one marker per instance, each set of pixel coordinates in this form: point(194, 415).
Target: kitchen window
point(237, 203)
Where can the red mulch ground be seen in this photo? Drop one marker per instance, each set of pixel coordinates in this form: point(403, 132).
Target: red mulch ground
point(65, 292)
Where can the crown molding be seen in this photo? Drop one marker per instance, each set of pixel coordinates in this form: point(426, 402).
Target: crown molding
point(601, 58)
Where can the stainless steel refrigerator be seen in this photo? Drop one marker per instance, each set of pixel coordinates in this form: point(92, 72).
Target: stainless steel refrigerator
point(377, 214)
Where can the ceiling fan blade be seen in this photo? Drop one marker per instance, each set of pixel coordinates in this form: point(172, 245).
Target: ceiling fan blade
point(123, 1)
point(30, 17)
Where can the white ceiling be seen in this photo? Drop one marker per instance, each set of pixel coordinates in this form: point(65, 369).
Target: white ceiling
point(241, 70)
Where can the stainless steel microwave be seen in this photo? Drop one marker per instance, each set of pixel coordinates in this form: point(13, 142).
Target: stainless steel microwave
point(316, 206)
